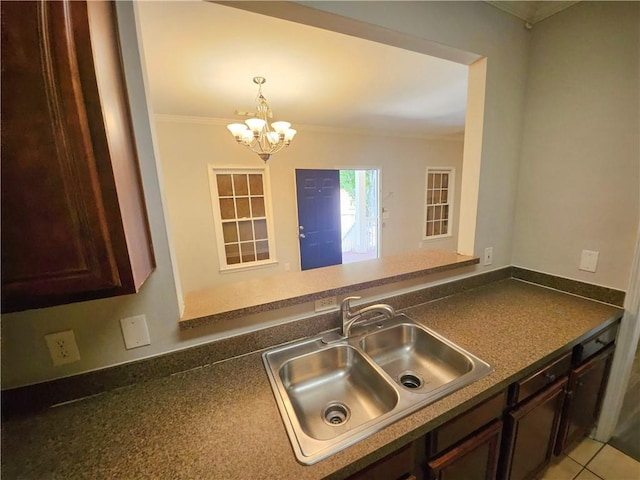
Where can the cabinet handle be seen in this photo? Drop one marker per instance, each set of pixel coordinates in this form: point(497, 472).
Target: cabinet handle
point(550, 377)
point(600, 341)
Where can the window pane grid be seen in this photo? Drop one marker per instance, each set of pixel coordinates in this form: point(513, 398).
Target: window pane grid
point(243, 217)
point(438, 200)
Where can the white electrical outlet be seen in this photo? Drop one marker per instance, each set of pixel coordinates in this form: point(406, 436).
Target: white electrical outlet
point(135, 332)
point(327, 303)
point(62, 347)
point(488, 255)
point(589, 261)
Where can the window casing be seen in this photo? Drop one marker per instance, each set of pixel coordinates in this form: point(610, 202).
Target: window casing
point(438, 212)
point(242, 214)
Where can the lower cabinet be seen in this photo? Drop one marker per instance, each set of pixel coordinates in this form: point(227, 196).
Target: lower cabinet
point(514, 434)
point(468, 446)
point(586, 388)
point(403, 464)
point(465, 448)
point(474, 459)
point(557, 406)
point(531, 432)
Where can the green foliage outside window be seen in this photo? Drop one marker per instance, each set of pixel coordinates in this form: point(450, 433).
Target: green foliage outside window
point(348, 184)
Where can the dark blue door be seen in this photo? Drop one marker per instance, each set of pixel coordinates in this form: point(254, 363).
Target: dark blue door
point(319, 218)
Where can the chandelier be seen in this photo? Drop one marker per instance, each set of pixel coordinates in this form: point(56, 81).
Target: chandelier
point(257, 134)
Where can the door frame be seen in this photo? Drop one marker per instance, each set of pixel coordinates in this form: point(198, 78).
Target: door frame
point(626, 345)
point(379, 232)
point(342, 167)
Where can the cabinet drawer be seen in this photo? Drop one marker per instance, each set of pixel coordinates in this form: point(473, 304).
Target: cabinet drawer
point(463, 425)
point(595, 344)
point(402, 464)
point(474, 458)
point(534, 383)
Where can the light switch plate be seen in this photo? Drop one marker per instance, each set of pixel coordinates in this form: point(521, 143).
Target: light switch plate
point(488, 255)
point(589, 260)
point(135, 331)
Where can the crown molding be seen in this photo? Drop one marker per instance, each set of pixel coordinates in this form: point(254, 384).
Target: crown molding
point(198, 120)
point(532, 11)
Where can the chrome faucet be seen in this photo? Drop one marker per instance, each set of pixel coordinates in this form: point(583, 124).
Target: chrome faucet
point(349, 318)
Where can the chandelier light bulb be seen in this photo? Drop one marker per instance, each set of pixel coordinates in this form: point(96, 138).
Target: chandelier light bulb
point(289, 134)
point(273, 138)
point(255, 124)
point(281, 127)
point(247, 137)
point(237, 129)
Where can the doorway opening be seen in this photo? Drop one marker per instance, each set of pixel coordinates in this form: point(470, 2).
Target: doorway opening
point(338, 217)
point(359, 214)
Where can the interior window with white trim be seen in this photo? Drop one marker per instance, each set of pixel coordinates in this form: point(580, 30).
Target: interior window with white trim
point(242, 217)
point(438, 202)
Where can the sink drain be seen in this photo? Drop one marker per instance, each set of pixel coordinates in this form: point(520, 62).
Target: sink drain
point(336, 414)
point(410, 380)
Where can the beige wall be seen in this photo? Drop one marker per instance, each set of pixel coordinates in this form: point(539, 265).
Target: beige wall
point(580, 164)
point(186, 146)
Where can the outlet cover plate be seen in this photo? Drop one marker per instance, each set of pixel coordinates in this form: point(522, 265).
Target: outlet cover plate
point(328, 303)
point(62, 347)
point(135, 331)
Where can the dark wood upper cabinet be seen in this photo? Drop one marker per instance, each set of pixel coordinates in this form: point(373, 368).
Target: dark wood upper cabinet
point(74, 223)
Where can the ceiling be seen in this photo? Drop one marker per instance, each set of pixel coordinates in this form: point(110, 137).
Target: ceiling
point(532, 11)
point(201, 58)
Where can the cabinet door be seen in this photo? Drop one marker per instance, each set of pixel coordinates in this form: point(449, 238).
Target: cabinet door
point(584, 398)
point(63, 237)
point(403, 464)
point(531, 432)
point(474, 459)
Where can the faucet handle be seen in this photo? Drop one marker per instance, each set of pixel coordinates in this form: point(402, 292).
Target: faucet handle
point(345, 302)
point(345, 308)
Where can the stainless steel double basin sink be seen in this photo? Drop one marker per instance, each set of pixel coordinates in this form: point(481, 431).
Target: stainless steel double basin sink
point(333, 393)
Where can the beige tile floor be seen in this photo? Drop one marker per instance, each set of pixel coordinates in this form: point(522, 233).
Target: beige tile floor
point(592, 460)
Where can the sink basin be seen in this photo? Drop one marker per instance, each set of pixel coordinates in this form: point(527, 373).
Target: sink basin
point(414, 358)
point(333, 395)
point(334, 390)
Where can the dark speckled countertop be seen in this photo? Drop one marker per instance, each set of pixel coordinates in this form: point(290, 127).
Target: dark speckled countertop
point(222, 422)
